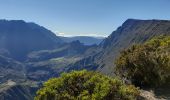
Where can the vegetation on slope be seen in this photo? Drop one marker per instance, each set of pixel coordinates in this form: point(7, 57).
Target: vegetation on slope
point(146, 65)
point(85, 85)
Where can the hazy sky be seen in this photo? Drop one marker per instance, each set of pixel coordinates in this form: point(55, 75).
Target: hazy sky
point(83, 17)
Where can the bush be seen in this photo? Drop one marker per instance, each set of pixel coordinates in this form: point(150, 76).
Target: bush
point(85, 85)
point(146, 65)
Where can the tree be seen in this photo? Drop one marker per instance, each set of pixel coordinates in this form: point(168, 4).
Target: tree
point(86, 85)
point(146, 65)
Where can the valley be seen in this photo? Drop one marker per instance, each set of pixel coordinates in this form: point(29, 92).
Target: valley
point(31, 54)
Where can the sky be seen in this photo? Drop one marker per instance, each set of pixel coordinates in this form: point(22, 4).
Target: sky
point(83, 17)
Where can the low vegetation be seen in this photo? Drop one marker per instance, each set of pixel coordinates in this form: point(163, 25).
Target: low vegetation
point(86, 85)
point(146, 65)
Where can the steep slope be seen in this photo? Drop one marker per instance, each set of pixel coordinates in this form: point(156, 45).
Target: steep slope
point(11, 69)
point(132, 31)
point(18, 38)
point(87, 40)
point(17, 92)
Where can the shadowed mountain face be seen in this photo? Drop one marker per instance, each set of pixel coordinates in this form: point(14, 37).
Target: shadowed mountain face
point(31, 52)
point(87, 40)
point(18, 38)
point(131, 32)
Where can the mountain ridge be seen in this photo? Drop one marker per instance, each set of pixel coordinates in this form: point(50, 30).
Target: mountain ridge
point(25, 37)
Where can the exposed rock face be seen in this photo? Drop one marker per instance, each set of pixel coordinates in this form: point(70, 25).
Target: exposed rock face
point(146, 95)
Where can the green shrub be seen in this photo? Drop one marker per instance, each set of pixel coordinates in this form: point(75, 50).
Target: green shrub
point(146, 65)
point(85, 85)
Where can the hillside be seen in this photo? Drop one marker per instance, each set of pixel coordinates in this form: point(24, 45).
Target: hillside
point(18, 38)
point(11, 69)
point(132, 31)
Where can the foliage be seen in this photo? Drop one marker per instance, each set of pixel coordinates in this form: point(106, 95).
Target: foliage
point(146, 65)
point(86, 85)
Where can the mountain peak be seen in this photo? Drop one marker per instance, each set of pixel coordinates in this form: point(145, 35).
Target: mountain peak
point(20, 37)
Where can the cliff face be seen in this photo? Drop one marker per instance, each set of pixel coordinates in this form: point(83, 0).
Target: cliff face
point(131, 32)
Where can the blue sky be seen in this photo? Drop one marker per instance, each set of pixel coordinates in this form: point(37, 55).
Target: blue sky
point(83, 17)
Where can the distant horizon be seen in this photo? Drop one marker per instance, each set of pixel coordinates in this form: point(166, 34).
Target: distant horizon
point(88, 35)
point(83, 17)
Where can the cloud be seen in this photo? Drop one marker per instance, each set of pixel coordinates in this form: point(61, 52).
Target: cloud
point(64, 34)
point(61, 34)
point(82, 34)
point(94, 35)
